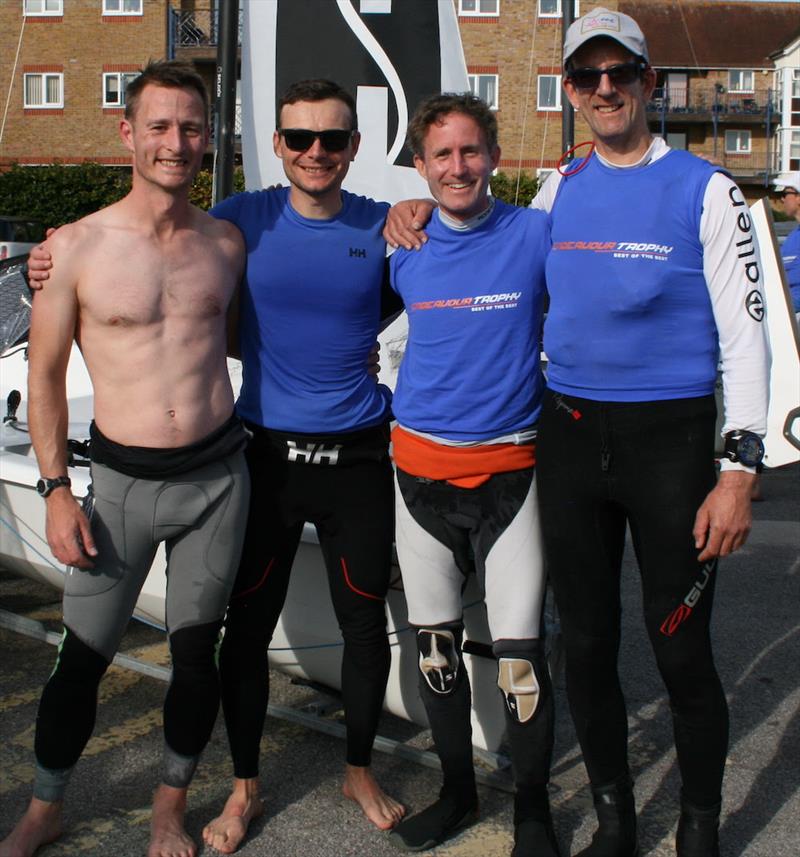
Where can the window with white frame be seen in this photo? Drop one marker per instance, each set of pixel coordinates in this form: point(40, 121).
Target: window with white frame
point(114, 85)
point(796, 83)
point(738, 142)
point(122, 7)
point(548, 92)
point(44, 90)
point(740, 80)
point(479, 7)
point(552, 8)
point(485, 87)
point(43, 7)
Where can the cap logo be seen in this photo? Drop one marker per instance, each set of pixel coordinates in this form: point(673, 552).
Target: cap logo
point(605, 21)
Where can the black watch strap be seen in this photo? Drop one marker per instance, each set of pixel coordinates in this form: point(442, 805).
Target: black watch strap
point(745, 447)
point(45, 486)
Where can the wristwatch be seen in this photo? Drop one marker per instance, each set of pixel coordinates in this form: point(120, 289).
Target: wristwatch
point(744, 446)
point(45, 487)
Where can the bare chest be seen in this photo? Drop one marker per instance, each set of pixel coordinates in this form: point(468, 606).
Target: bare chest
point(143, 284)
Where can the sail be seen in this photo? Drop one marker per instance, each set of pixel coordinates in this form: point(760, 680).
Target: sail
point(389, 54)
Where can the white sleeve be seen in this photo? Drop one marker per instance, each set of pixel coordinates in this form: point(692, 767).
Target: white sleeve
point(546, 194)
point(732, 268)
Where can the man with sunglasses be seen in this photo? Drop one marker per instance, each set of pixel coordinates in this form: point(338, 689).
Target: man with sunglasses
point(789, 188)
point(654, 272)
point(310, 306)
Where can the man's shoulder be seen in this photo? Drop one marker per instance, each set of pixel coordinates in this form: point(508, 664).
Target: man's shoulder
point(365, 206)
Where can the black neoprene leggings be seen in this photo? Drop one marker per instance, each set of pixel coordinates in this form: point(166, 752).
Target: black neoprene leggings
point(352, 506)
point(649, 465)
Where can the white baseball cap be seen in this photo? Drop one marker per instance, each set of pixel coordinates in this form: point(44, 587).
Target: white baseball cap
point(603, 22)
point(790, 181)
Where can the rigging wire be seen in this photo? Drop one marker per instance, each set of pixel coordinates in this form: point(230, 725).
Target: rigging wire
point(12, 76)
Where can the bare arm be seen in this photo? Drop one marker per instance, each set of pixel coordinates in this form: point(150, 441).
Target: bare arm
point(405, 222)
point(723, 521)
point(53, 321)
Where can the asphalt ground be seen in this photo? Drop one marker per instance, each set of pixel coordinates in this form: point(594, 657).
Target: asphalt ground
point(757, 639)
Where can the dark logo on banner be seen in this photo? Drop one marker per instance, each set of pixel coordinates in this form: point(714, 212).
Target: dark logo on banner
point(399, 50)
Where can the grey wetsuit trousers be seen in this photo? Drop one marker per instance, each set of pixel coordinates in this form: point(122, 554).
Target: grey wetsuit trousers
point(200, 516)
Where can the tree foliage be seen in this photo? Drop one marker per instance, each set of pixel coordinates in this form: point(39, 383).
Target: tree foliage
point(504, 187)
point(61, 193)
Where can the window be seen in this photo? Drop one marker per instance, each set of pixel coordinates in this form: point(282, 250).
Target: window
point(114, 86)
point(796, 83)
point(43, 7)
point(552, 9)
point(548, 92)
point(740, 80)
point(479, 7)
point(122, 7)
point(44, 90)
point(485, 87)
point(737, 142)
point(794, 151)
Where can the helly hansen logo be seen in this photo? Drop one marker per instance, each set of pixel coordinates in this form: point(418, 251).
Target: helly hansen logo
point(684, 610)
point(313, 453)
point(358, 252)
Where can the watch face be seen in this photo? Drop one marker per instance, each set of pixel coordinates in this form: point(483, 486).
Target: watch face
point(41, 487)
point(751, 450)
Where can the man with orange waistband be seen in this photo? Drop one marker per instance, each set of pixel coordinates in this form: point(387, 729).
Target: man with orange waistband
point(467, 401)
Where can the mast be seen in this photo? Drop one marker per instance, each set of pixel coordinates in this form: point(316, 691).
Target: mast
point(567, 113)
point(226, 98)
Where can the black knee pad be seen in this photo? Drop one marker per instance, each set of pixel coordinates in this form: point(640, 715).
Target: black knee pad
point(440, 662)
point(522, 676)
point(67, 708)
point(193, 650)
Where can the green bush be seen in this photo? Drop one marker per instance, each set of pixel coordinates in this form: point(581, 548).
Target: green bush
point(61, 193)
point(504, 187)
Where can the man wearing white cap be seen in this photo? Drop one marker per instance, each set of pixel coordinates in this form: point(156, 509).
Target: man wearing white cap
point(654, 274)
point(788, 185)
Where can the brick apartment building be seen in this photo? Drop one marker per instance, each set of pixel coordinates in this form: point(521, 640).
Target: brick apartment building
point(728, 87)
point(63, 69)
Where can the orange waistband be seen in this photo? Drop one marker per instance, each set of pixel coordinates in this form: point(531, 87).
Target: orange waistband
point(464, 466)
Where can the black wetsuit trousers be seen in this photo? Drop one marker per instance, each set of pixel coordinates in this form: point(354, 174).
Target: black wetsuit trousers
point(648, 465)
point(351, 504)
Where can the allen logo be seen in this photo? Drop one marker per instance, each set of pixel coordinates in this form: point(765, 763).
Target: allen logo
point(754, 304)
point(314, 453)
point(358, 252)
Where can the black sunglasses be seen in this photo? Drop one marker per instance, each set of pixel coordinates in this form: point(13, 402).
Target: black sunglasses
point(300, 139)
point(622, 74)
point(789, 192)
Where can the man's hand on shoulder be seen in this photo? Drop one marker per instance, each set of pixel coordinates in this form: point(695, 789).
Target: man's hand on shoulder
point(405, 222)
point(69, 532)
point(723, 522)
point(39, 263)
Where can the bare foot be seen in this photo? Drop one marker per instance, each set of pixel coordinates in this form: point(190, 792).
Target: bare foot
point(227, 830)
point(40, 824)
point(360, 785)
point(168, 838)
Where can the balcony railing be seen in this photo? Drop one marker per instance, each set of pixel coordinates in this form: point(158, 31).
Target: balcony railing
point(696, 101)
point(199, 28)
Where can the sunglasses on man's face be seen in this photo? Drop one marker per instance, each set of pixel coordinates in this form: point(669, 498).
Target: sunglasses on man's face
point(789, 193)
point(300, 139)
point(621, 74)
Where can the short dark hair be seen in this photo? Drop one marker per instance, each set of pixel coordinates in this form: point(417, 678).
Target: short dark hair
point(316, 89)
point(174, 74)
point(432, 110)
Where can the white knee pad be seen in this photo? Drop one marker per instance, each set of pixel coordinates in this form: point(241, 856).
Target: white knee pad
point(516, 677)
point(438, 659)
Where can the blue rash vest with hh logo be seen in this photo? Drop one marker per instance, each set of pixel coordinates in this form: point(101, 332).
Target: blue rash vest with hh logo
point(630, 317)
point(309, 313)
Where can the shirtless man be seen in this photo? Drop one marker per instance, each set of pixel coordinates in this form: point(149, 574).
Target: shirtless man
point(167, 452)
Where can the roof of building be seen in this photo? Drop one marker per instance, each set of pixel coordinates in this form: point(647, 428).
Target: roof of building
point(691, 34)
